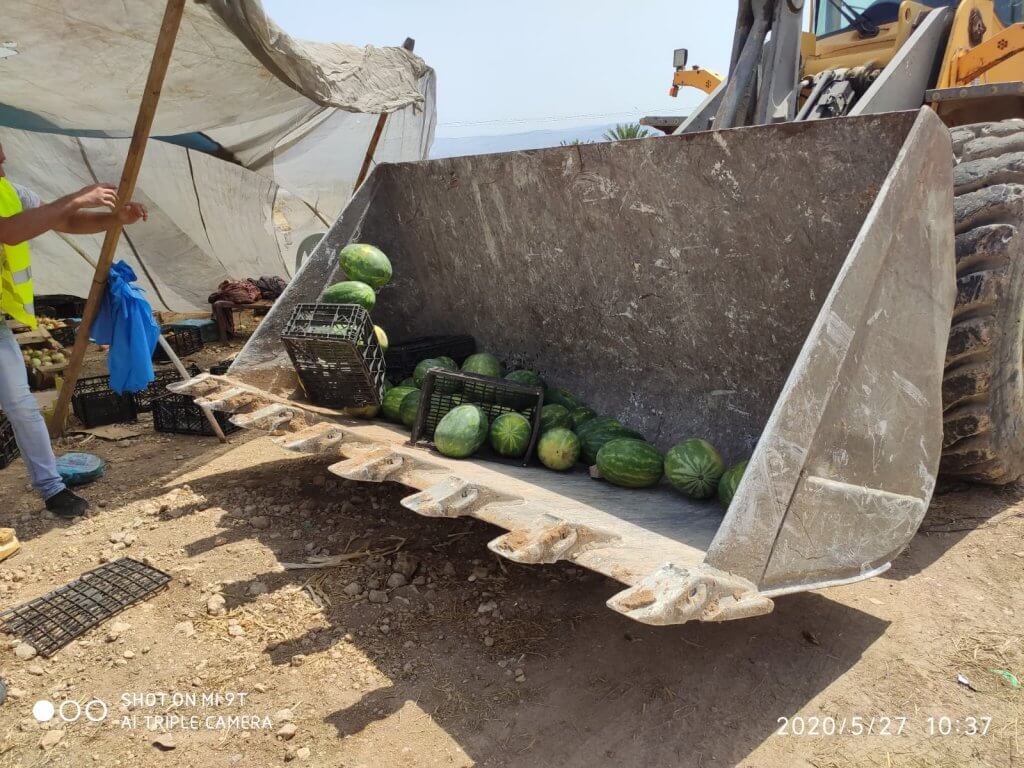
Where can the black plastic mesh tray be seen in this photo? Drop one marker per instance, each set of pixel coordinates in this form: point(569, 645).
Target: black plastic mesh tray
point(95, 404)
point(144, 399)
point(50, 622)
point(444, 390)
point(184, 340)
point(179, 415)
point(336, 354)
point(403, 358)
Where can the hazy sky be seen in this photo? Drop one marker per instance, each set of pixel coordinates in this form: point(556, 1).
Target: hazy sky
point(506, 68)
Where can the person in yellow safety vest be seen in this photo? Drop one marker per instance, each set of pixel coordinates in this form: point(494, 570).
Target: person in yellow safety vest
point(24, 216)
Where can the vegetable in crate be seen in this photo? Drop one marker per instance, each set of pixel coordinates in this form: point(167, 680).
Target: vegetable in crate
point(483, 364)
point(365, 263)
point(694, 467)
point(350, 292)
point(382, 338)
point(392, 404)
point(554, 415)
point(559, 449)
point(510, 435)
point(730, 482)
point(410, 407)
point(562, 397)
point(630, 463)
point(595, 433)
point(461, 432)
point(527, 378)
point(420, 374)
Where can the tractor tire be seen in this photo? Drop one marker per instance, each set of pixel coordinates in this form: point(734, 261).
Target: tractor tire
point(983, 386)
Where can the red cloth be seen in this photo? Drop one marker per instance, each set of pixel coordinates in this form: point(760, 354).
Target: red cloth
point(236, 291)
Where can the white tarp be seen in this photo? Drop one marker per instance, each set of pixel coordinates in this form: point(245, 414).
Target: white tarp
point(296, 116)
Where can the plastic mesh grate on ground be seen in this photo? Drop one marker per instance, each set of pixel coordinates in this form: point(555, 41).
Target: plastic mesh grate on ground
point(50, 622)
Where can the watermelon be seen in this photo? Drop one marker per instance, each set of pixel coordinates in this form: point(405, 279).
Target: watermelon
point(448, 362)
point(559, 449)
point(527, 378)
point(392, 405)
point(581, 416)
point(461, 432)
point(366, 412)
point(730, 482)
point(598, 422)
point(594, 438)
point(410, 407)
point(432, 362)
point(694, 467)
point(350, 292)
point(510, 435)
point(410, 382)
point(365, 263)
point(483, 364)
point(630, 463)
point(562, 397)
point(554, 415)
point(382, 338)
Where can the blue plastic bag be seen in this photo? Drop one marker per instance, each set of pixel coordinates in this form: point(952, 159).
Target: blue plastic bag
point(125, 323)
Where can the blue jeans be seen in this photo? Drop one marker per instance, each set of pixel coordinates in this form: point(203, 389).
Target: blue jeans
point(20, 406)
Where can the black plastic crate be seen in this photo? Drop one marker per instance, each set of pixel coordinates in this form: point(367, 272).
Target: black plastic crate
point(59, 306)
point(403, 358)
point(8, 445)
point(95, 404)
point(179, 415)
point(336, 354)
point(144, 399)
point(184, 340)
point(444, 390)
point(65, 336)
point(222, 367)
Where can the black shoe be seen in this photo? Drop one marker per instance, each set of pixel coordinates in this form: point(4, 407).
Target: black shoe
point(66, 504)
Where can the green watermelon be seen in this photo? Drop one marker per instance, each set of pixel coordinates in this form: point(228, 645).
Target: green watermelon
point(410, 407)
point(510, 435)
point(461, 432)
point(598, 422)
point(581, 416)
point(382, 338)
point(366, 412)
point(593, 439)
point(392, 405)
point(350, 292)
point(559, 449)
point(483, 364)
point(630, 463)
point(694, 467)
point(410, 382)
point(432, 362)
point(365, 263)
point(527, 378)
point(554, 415)
point(730, 482)
point(562, 397)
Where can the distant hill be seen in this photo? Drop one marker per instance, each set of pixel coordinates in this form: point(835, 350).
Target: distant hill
point(510, 142)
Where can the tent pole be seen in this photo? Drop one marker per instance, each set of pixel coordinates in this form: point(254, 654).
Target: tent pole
point(133, 163)
point(371, 150)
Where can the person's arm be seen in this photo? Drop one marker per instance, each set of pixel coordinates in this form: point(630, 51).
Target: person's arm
point(33, 222)
point(90, 223)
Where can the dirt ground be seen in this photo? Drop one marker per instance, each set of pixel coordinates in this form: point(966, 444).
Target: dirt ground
point(476, 661)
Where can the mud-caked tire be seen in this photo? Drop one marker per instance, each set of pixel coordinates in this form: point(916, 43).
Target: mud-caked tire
point(983, 386)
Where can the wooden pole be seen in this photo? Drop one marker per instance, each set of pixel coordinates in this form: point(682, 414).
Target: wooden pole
point(371, 150)
point(133, 163)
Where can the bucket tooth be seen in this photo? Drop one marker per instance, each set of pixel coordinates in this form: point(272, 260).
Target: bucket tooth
point(549, 540)
point(271, 418)
point(675, 595)
point(319, 438)
point(452, 497)
point(374, 467)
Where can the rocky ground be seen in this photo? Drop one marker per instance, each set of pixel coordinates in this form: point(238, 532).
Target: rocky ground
point(417, 647)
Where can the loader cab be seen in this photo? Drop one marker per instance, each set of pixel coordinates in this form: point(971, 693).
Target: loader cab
point(864, 17)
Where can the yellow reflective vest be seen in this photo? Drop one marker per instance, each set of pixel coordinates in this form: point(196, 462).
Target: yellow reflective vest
point(16, 298)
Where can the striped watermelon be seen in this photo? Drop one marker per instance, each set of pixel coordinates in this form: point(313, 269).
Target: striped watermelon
point(350, 292)
point(554, 415)
point(694, 467)
point(483, 364)
point(510, 435)
point(562, 397)
point(365, 263)
point(410, 407)
point(527, 378)
point(730, 482)
point(581, 416)
point(432, 362)
point(410, 382)
point(559, 449)
point(595, 433)
point(461, 432)
point(392, 405)
point(630, 463)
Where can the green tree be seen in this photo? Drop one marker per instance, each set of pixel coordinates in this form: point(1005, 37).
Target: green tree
point(626, 131)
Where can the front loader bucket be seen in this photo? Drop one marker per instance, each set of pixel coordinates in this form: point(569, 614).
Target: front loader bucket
point(783, 291)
